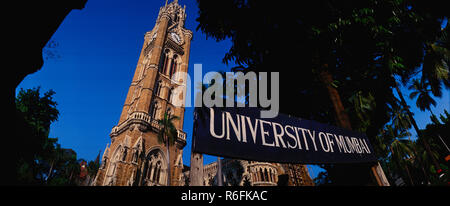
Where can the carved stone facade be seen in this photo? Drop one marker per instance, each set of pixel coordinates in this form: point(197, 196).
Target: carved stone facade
point(135, 157)
point(252, 173)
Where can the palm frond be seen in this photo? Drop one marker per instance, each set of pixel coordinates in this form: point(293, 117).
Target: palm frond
point(168, 131)
point(413, 95)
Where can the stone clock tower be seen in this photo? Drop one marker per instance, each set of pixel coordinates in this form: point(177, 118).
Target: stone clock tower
point(135, 157)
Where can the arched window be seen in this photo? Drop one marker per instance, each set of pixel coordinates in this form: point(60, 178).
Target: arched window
point(266, 176)
point(158, 172)
point(169, 95)
point(157, 89)
point(135, 155)
point(149, 170)
point(124, 156)
point(261, 175)
point(173, 67)
point(270, 175)
point(117, 154)
point(112, 169)
point(154, 110)
point(169, 112)
point(154, 168)
point(154, 171)
point(110, 176)
point(273, 176)
point(164, 61)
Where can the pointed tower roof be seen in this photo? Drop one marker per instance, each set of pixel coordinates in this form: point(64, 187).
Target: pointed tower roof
point(97, 159)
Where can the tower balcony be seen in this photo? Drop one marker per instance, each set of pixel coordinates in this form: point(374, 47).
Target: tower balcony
point(144, 122)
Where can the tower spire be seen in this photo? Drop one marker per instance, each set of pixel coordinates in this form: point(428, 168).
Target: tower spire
point(174, 1)
point(97, 160)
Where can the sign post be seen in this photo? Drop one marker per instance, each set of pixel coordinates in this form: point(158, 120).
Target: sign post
point(196, 170)
point(219, 172)
point(379, 175)
point(240, 133)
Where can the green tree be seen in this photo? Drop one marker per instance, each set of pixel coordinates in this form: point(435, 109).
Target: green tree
point(66, 169)
point(233, 171)
point(43, 161)
point(423, 94)
point(327, 43)
point(348, 56)
point(37, 113)
point(436, 134)
point(424, 101)
point(435, 68)
point(167, 134)
point(400, 149)
point(52, 157)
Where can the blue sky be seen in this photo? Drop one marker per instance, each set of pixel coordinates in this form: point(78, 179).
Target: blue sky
point(98, 49)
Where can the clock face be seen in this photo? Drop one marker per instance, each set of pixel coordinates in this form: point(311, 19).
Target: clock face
point(175, 37)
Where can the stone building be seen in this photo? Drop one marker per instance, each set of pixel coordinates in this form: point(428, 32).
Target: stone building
point(252, 173)
point(135, 157)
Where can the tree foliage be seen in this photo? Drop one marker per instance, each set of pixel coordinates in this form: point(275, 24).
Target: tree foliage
point(367, 46)
point(43, 161)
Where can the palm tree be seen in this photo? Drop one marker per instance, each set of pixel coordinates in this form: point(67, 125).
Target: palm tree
point(422, 92)
point(400, 118)
point(251, 49)
point(424, 102)
point(406, 107)
point(342, 117)
point(167, 135)
point(400, 148)
point(57, 154)
point(436, 62)
point(72, 168)
point(429, 157)
point(401, 153)
point(435, 72)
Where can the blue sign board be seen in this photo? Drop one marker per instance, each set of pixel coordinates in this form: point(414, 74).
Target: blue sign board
point(240, 133)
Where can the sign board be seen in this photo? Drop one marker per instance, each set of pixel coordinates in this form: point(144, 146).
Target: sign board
point(240, 133)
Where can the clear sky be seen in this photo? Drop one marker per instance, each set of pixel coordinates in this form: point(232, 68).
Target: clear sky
point(98, 49)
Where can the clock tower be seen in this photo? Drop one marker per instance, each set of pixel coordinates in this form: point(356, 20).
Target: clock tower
point(135, 156)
